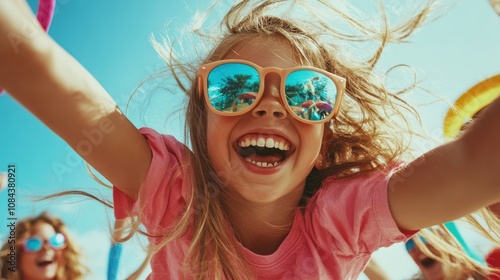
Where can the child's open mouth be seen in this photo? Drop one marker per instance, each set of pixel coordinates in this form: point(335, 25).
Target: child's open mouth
point(45, 261)
point(427, 262)
point(264, 151)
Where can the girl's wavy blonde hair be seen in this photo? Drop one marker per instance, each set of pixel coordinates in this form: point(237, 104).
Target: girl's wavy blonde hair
point(71, 266)
point(373, 129)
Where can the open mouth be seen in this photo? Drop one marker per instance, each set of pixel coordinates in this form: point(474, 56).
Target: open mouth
point(264, 151)
point(44, 262)
point(427, 262)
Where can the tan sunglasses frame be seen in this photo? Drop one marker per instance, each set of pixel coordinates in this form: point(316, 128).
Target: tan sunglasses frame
point(205, 69)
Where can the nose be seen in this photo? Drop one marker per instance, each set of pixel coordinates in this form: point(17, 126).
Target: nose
point(45, 246)
point(270, 105)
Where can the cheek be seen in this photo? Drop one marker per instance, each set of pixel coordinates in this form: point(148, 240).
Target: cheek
point(218, 141)
point(312, 138)
point(318, 132)
point(223, 157)
point(433, 250)
point(215, 132)
point(60, 257)
point(216, 138)
point(413, 254)
point(27, 262)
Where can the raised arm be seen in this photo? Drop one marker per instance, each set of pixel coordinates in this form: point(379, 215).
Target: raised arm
point(452, 180)
point(374, 271)
point(50, 83)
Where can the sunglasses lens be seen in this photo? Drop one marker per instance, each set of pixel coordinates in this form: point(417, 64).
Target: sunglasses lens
point(33, 244)
point(410, 244)
point(57, 241)
point(310, 94)
point(232, 87)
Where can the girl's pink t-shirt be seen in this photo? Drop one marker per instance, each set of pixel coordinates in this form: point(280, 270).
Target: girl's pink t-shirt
point(331, 238)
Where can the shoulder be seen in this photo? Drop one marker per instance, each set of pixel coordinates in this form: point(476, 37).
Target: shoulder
point(354, 213)
point(157, 139)
point(165, 188)
point(364, 185)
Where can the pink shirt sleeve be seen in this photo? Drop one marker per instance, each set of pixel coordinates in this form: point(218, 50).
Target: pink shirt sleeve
point(162, 195)
point(353, 215)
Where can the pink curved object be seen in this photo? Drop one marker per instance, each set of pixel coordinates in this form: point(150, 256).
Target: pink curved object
point(307, 104)
point(45, 12)
point(44, 15)
point(319, 104)
point(248, 95)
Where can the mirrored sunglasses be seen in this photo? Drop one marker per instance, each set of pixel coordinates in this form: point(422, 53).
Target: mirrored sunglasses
point(234, 87)
point(35, 243)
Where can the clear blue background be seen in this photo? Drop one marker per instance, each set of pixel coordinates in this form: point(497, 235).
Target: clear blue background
point(111, 39)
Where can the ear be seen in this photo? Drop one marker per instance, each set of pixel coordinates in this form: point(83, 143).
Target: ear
point(323, 160)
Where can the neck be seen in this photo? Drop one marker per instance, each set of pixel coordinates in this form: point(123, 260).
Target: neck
point(261, 228)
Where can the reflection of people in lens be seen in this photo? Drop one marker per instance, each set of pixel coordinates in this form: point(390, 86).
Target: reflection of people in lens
point(243, 100)
point(43, 250)
point(314, 113)
point(316, 110)
point(310, 88)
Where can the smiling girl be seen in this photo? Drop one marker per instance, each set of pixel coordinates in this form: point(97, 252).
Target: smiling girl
point(44, 251)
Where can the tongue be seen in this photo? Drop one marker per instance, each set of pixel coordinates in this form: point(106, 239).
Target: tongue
point(262, 154)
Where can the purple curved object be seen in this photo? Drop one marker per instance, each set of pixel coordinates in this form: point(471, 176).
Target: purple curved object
point(44, 15)
point(324, 106)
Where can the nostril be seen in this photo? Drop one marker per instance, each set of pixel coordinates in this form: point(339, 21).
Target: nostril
point(278, 114)
point(268, 107)
point(261, 113)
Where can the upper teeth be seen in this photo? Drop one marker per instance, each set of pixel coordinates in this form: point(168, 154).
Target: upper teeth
point(46, 259)
point(265, 142)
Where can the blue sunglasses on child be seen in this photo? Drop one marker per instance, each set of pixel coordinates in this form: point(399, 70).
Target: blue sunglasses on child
point(35, 243)
point(410, 244)
point(233, 87)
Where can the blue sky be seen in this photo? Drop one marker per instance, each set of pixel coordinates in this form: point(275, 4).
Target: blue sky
point(110, 38)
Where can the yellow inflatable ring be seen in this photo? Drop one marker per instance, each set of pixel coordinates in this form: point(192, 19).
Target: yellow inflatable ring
point(467, 105)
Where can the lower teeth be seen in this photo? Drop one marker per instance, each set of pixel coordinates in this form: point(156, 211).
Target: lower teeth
point(262, 164)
